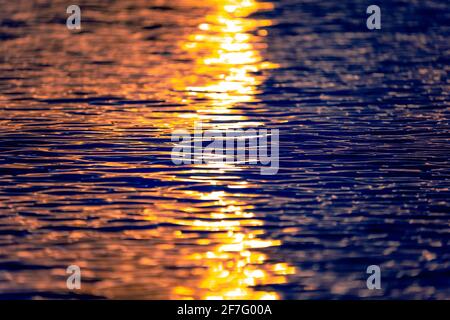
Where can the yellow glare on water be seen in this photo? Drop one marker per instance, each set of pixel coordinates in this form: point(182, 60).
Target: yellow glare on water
point(228, 67)
point(225, 46)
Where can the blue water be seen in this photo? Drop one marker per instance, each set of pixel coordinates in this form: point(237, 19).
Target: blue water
point(86, 176)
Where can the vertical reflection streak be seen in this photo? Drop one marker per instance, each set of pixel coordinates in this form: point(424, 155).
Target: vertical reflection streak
point(228, 69)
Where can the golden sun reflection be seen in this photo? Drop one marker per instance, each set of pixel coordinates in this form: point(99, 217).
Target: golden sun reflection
point(233, 263)
point(199, 244)
point(228, 69)
point(228, 59)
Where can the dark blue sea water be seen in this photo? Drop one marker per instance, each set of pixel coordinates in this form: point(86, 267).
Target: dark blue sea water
point(86, 176)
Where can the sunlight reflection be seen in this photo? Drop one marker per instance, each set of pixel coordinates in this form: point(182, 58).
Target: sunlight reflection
point(195, 244)
point(228, 71)
point(234, 264)
point(226, 47)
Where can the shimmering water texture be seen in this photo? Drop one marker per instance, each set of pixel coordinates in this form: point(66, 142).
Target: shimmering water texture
point(86, 174)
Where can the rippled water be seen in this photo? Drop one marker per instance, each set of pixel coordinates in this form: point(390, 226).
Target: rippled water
point(86, 175)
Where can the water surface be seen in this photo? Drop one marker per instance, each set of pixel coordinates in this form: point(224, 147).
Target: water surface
point(86, 174)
